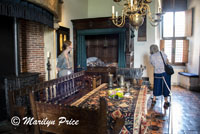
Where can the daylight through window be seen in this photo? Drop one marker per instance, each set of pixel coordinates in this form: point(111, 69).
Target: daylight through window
point(174, 41)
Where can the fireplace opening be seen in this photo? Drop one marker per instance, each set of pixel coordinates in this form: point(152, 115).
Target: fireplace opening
point(7, 57)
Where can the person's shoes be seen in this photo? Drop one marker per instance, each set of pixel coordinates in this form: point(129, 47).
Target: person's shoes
point(166, 104)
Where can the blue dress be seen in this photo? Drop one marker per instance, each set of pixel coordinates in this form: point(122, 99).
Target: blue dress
point(65, 69)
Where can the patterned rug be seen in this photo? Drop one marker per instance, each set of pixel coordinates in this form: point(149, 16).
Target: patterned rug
point(117, 108)
point(131, 108)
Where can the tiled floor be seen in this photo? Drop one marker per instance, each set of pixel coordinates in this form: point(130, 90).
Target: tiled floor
point(184, 111)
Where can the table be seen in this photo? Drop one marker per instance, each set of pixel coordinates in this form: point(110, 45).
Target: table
point(131, 108)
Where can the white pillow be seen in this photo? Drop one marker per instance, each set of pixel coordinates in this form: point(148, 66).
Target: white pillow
point(91, 59)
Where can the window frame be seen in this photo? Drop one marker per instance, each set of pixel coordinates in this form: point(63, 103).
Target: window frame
point(173, 41)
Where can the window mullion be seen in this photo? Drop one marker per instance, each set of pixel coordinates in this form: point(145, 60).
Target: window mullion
point(162, 27)
point(173, 50)
point(173, 40)
point(173, 24)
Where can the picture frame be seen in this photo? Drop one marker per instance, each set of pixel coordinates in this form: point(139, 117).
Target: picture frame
point(63, 34)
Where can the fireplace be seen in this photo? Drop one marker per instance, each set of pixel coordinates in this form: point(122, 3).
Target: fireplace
point(22, 45)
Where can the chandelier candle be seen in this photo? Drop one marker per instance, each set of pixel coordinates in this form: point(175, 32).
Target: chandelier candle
point(159, 6)
point(131, 3)
point(113, 9)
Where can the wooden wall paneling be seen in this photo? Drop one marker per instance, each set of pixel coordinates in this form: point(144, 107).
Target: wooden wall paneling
point(102, 46)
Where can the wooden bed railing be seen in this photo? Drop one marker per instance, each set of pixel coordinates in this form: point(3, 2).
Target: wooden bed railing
point(61, 88)
point(56, 89)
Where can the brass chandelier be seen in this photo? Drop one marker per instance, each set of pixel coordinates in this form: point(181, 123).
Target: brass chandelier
point(136, 10)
